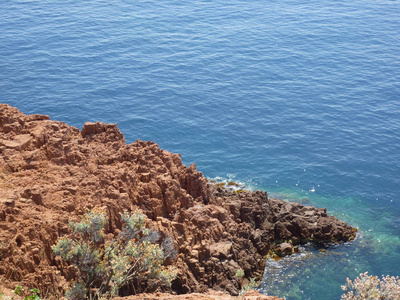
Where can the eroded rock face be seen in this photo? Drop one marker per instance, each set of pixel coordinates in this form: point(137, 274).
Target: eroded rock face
point(51, 172)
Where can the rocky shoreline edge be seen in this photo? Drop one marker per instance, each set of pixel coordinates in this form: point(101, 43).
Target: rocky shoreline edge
point(51, 172)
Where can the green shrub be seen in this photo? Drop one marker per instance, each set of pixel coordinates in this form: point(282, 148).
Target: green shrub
point(371, 287)
point(132, 257)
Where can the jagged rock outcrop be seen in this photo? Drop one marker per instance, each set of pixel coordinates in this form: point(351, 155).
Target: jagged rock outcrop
point(51, 172)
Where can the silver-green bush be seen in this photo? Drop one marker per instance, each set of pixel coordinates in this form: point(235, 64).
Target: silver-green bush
point(105, 266)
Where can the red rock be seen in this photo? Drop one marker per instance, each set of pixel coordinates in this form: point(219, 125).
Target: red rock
point(284, 249)
point(209, 295)
point(51, 172)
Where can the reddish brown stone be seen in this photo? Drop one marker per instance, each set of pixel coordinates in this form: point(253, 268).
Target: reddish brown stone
point(51, 172)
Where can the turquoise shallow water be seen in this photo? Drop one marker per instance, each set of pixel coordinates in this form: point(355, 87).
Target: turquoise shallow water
point(301, 98)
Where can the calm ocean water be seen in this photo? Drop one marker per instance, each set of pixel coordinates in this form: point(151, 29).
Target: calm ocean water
point(300, 98)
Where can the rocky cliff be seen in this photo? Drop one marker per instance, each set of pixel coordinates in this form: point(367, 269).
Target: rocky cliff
point(51, 172)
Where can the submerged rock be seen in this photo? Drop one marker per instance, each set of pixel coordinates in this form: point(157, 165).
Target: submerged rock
point(51, 172)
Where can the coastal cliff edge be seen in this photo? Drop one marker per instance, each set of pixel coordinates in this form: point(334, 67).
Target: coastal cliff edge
point(51, 172)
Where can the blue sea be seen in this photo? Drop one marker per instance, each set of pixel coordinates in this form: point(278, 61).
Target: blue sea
point(299, 98)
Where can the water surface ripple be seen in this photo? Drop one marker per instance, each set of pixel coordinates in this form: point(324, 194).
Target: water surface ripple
point(297, 97)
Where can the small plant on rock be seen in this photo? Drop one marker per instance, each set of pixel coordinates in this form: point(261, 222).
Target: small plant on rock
point(34, 293)
point(133, 257)
point(244, 283)
point(239, 273)
point(372, 288)
point(18, 290)
point(251, 285)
